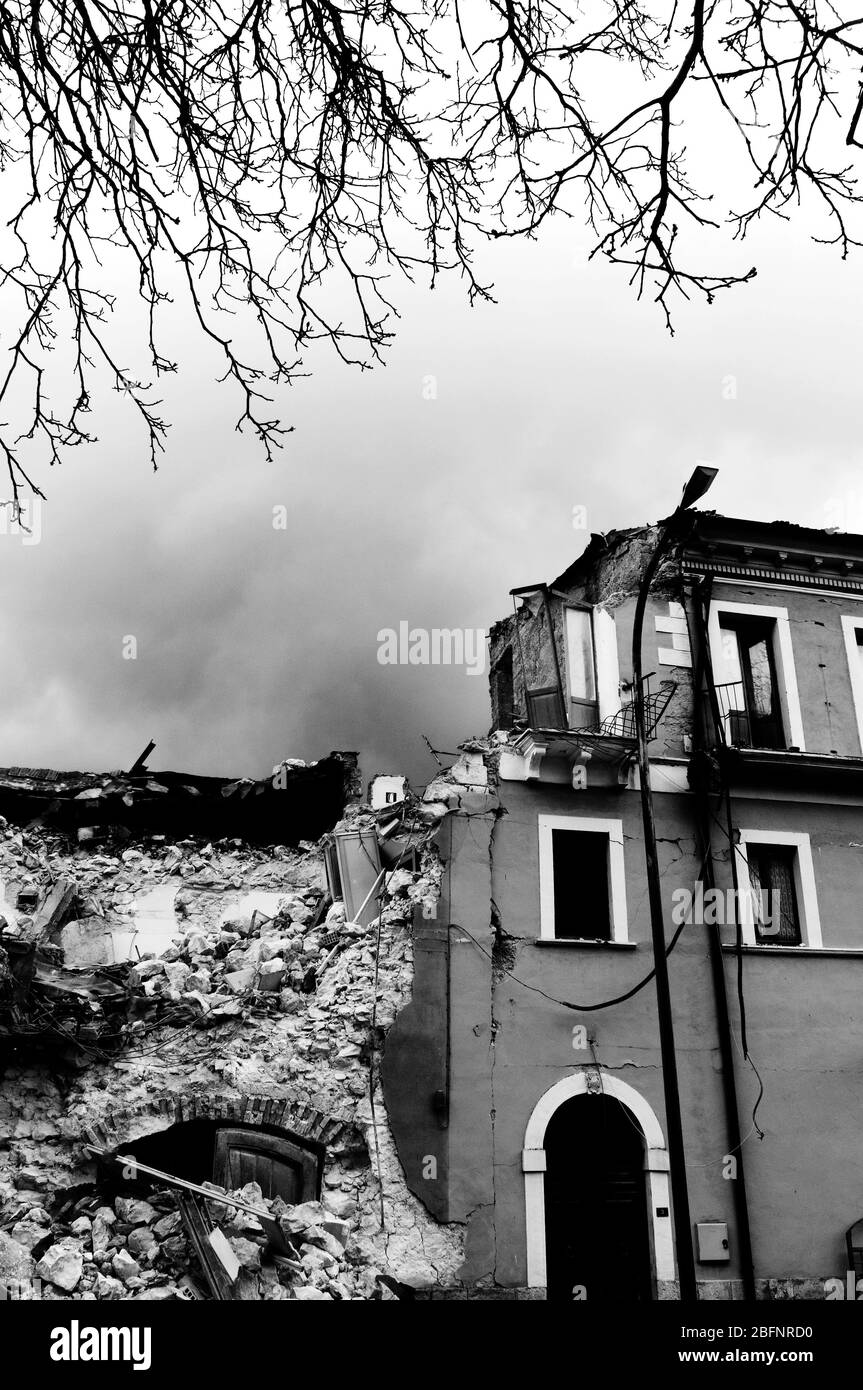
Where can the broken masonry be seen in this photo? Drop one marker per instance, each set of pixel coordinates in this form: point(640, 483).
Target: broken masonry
point(191, 1033)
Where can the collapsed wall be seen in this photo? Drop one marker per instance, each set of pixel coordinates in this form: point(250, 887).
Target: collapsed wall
point(247, 1000)
point(528, 649)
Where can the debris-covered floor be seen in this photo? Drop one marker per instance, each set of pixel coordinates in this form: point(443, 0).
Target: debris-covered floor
point(156, 990)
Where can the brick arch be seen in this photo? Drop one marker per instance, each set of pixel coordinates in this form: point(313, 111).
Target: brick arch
point(120, 1124)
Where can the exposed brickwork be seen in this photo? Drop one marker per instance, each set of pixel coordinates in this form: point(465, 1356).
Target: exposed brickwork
point(125, 1123)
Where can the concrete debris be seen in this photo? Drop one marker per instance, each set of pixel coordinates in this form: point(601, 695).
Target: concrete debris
point(156, 1258)
point(63, 1264)
point(254, 993)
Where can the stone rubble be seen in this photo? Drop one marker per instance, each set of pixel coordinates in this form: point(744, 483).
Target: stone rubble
point(272, 1002)
point(140, 1250)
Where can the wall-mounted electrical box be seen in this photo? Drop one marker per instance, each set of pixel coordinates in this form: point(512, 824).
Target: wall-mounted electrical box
point(712, 1239)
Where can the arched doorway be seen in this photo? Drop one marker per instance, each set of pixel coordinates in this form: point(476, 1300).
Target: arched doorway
point(596, 1220)
point(284, 1164)
point(569, 1138)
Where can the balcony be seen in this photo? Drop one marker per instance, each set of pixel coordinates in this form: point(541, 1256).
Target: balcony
point(753, 748)
point(742, 724)
point(544, 752)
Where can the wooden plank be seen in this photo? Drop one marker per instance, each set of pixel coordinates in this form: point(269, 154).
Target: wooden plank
point(198, 1225)
point(49, 916)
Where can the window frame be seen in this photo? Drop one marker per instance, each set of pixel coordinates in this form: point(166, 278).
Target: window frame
point(603, 825)
point(783, 656)
point(804, 888)
point(606, 667)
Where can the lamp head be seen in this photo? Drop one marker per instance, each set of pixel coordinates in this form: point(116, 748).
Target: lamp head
point(700, 481)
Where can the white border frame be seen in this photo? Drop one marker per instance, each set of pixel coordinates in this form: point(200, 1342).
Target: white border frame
point(850, 628)
point(601, 825)
point(656, 1167)
point(804, 884)
point(783, 651)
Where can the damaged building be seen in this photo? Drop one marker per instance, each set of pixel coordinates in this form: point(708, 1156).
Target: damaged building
point(528, 1061)
point(412, 1051)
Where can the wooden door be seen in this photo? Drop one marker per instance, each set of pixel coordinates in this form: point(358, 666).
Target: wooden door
point(281, 1168)
point(597, 1239)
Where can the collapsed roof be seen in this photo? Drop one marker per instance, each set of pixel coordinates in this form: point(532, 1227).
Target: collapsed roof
point(298, 801)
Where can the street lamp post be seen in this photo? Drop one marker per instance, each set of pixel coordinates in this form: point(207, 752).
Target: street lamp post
point(695, 488)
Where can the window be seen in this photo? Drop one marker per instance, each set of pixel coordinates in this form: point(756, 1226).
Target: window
point(756, 683)
point(853, 630)
point(751, 690)
point(581, 668)
point(582, 885)
point(581, 892)
point(776, 917)
point(503, 691)
point(781, 907)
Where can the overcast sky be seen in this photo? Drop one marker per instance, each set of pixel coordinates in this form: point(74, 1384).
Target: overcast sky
point(255, 644)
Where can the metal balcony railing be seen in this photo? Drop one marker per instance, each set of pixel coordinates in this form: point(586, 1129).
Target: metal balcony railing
point(738, 726)
point(622, 724)
point(611, 738)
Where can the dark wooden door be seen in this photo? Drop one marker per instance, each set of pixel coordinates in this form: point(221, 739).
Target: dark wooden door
point(597, 1237)
point(281, 1169)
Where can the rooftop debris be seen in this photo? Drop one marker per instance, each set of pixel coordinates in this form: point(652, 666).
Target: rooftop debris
point(298, 801)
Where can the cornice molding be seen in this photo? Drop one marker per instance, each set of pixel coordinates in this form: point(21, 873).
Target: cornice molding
point(763, 574)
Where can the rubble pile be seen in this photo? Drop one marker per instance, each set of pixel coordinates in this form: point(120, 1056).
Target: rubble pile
point(205, 965)
point(255, 986)
point(140, 1249)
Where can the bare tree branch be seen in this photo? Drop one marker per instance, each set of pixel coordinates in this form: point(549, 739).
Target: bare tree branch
point(280, 161)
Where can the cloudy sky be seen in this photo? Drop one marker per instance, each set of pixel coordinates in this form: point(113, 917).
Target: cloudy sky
point(256, 643)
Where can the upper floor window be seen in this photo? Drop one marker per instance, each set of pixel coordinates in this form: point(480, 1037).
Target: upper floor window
point(592, 673)
point(853, 630)
point(503, 690)
point(749, 700)
point(775, 910)
point(580, 659)
point(753, 669)
point(582, 885)
point(781, 906)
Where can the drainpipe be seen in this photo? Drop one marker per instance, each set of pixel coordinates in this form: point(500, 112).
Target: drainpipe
point(703, 675)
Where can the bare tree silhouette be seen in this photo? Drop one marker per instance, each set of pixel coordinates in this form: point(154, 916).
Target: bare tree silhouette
point(283, 159)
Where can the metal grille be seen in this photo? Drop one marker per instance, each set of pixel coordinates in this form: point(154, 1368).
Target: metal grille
point(774, 897)
point(622, 724)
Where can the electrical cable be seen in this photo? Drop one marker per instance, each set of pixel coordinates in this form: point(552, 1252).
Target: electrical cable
point(565, 1003)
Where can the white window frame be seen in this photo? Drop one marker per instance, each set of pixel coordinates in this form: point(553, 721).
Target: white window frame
point(804, 886)
point(783, 652)
point(603, 825)
point(850, 627)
